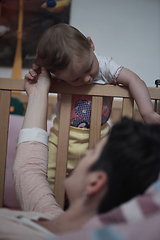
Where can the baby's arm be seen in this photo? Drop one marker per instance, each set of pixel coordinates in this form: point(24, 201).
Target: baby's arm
point(140, 93)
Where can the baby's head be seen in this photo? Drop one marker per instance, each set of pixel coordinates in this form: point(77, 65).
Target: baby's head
point(68, 54)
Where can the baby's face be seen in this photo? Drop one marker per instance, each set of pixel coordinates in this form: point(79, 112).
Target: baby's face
point(81, 74)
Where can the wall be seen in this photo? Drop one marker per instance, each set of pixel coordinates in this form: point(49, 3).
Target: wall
point(127, 30)
point(7, 72)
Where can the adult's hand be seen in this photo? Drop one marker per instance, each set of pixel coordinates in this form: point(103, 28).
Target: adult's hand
point(37, 80)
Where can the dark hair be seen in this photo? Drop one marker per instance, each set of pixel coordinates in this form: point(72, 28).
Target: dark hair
point(58, 46)
point(131, 159)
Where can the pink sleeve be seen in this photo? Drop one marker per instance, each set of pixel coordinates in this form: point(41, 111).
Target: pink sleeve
point(30, 179)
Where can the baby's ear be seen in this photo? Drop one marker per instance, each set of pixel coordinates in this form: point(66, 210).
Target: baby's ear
point(91, 43)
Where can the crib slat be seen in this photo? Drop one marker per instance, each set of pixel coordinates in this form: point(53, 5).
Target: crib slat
point(127, 107)
point(4, 123)
point(62, 151)
point(96, 115)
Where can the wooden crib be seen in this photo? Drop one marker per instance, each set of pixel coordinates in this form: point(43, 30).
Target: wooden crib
point(124, 106)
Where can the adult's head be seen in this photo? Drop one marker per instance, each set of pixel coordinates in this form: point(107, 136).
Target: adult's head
point(68, 54)
point(120, 168)
point(131, 159)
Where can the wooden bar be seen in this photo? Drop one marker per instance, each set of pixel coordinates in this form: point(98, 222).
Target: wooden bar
point(62, 150)
point(12, 84)
point(96, 115)
point(91, 89)
point(127, 107)
point(4, 126)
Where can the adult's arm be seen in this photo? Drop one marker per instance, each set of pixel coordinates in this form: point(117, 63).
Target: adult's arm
point(30, 167)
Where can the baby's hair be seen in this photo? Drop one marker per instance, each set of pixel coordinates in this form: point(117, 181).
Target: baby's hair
point(60, 46)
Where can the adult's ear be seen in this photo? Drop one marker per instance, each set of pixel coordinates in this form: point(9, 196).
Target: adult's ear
point(91, 43)
point(96, 182)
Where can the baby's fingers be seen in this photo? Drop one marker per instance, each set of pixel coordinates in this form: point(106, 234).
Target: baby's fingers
point(28, 76)
point(36, 68)
point(30, 79)
point(33, 73)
